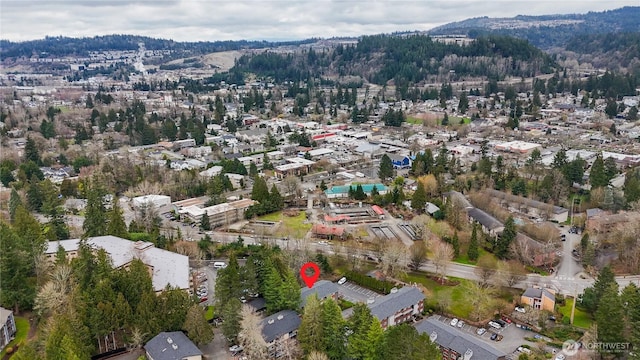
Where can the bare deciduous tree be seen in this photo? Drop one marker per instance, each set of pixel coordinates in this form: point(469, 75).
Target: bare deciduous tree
point(442, 255)
point(481, 299)
point(395, 259)
point(317, 356)
point(250, 336)
point(292, 187)
point(486, 268)
point(418, 255)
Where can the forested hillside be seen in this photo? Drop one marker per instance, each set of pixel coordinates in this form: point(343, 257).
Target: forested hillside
point(66, 46)
point(548, 31)
point(402, 60)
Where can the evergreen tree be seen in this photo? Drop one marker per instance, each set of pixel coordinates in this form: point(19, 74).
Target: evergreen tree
point(597, 176)
point(359, 324)
point(275, 198)
point(260, 191)
point(197, 327)
point(455, 243)
point(404, 342)
point(228, 282)
point(333, 330)
point(311, 333)
point(610, 317)
point(375, 336)
point(253, 170)
point(419, 198)
point(31, 152)
point(14, 202)
point(230, 313)
point(95, 220)
point(504, 241)
point(323, 185)
point(386, 168)
point(463, 105)
point(472, 252)
point(204, 222)
point(115, 221)
point(16, 267)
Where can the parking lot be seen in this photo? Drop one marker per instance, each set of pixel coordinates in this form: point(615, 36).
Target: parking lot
point(355, 293)
point(513, 337)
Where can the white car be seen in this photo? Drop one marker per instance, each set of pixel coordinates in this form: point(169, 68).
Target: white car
point(481, 331)
point(560, 357)
point(454, 322)
point(520, 309)
point(236, 349)
point(342, 281)
point(460, 323)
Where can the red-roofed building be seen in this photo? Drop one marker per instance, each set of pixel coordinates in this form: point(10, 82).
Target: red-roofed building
point(378, 210)
point(328, 232)
point(336, 219)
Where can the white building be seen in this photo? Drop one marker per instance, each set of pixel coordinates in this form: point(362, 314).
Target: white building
point(153, 200)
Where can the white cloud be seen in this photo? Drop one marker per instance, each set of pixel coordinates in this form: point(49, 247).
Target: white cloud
point(210, 20)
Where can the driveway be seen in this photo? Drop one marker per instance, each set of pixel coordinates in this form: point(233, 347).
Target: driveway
point(216, 349)
point(211, 283)
point(355, 293)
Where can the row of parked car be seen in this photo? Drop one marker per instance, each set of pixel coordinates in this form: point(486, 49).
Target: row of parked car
point(496, 324)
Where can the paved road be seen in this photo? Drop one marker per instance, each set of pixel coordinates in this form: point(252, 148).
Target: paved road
point(568, 268)
point(566, 286)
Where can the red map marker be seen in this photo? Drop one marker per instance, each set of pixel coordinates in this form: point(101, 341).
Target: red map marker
point(310, 279)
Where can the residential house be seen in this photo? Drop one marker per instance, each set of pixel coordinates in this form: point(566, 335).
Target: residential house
point(8, 327)
point(165, 267)
point(538, 298)
point(431, 208)
point(323, 289)
point(278, 330)
point(182, 144)
point(172, 346)
point(400, 161)
point(398, 307)
point(456, 344)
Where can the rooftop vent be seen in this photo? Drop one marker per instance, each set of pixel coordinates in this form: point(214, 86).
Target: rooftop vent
point(174, 346)
point(280, 317)
point(271, 321)
point(170, 340)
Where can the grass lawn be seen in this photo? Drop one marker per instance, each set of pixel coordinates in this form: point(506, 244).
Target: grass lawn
point(22, 325)
point(414, 120)
point(292, 226)
point(452, 295)
point(580, 318)
point(464, 259)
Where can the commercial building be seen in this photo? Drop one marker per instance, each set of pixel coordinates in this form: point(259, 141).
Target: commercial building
point(150, 200)
point(220, 214)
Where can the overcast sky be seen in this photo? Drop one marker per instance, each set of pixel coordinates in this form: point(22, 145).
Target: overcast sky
point(210, 20)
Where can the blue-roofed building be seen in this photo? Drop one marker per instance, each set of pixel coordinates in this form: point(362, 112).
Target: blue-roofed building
point(343, 191)
point(400, 161)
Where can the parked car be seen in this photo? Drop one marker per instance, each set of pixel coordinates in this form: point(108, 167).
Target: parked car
point(236, 349)
point(560, 357)
point(481, 331)
point(506, 319)
point(502, 323)
point(203, 299)
point(219, 265)
point(494, 325)
point(494, 336)
point(460, 323)
point(454, 322)
point(520, 309)
point(342, 281)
